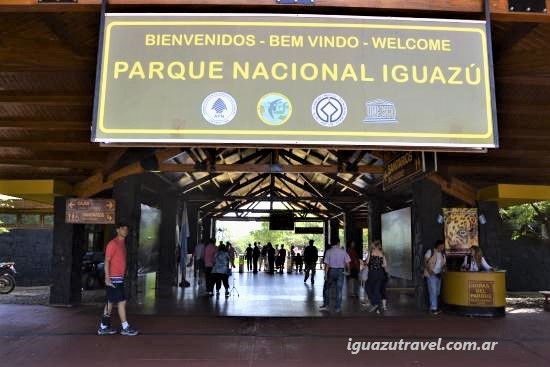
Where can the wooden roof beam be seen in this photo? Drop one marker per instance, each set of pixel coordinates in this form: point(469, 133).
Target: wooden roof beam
point(426, 5)
point(261, 168)
point(46, 99)
point(68, 163)
point(455, 188)
point(498, 8)
point(51, 145)
point(45, 125)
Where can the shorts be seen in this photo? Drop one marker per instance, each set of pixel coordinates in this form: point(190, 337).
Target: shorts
point(116, 294)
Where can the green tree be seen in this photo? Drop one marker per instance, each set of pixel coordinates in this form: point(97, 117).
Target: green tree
point(528, 220)
point(5, 204)
point(264, 235)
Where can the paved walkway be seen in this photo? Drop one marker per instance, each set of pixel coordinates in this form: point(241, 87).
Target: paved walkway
point(183, 328)
point(278, 295)
point(46, 336)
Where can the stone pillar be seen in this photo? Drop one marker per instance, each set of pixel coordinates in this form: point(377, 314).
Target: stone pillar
point(427, 202)
point(207, 228)
point(326, 234)
point(213, 228)
point(375, 220)
point(127, 192)
point(489, 232)
point(68, 249)
point(193, 217)
point(334, 226)
point(167, 239)
point(354, 232)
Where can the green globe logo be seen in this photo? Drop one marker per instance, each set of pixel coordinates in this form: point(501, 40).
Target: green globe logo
point(274, 109)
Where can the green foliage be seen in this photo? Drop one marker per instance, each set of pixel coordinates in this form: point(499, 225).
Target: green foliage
point(264, 235)
point(5, 203)
point(528, 220)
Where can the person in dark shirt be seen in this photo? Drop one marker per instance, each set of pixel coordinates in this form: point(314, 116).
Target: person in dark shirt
point(255, 257)
point(271, 258)
point(281, 258)
point(248, 257)
point(311, 254)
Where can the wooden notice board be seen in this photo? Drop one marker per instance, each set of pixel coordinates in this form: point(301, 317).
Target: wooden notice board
point(90, 211)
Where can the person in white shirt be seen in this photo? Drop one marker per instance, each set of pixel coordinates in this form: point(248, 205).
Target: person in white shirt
point(475, 261)
point(434, 266)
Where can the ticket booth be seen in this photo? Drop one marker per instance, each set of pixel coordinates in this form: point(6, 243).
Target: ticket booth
point(475, 293)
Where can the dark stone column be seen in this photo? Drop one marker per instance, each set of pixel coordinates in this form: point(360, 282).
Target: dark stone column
point(427, 202)
point(334, 226)
point(127, 193)
point(489, 232)
point(68, 242)
point(193, 216)
point(213, 228)
point(167, 238)
point(375, 220)
point(207, 228)
point(354, 232)
point(326, 234)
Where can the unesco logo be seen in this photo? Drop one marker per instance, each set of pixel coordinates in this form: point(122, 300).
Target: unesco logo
point(219, 108)
point(329, 109)
point(274, 109)
point(380, 111)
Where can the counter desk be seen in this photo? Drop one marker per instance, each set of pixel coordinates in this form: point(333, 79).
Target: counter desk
point(475, 293)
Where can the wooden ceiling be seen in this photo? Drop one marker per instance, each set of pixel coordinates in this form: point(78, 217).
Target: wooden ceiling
point(47, 75)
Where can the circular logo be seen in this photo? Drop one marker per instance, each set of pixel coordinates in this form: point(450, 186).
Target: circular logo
point(274, 109)
point(219, 108)
point(329, 109)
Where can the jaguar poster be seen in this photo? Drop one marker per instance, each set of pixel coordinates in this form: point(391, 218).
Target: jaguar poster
point(461, 230)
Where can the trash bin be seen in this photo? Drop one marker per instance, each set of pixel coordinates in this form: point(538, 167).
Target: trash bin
point(241, 263)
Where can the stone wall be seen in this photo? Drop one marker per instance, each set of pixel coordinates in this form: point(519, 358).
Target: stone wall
point(31, 249)
point(526, 260)
point(527, 263)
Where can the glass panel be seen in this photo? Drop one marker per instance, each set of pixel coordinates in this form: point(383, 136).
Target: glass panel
point(30, 219)
point(8, 218)
point(48, 220)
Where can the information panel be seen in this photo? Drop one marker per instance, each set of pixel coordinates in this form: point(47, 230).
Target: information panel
point(90, 211)
point(294, 79)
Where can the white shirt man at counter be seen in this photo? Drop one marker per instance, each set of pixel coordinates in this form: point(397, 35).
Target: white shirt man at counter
point(475, 261)
point(434, 266)
point(336, 261)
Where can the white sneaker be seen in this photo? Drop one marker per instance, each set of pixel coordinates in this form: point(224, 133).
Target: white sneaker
point(323, 308)
point(373, 308)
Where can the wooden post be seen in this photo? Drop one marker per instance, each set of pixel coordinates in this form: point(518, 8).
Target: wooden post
point(127, 193)
point(68, 249)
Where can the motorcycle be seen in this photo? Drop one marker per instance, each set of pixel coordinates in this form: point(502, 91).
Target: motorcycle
point(92, 270)
point(7, 277)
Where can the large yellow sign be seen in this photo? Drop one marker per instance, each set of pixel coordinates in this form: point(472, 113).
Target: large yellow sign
point(313, 80)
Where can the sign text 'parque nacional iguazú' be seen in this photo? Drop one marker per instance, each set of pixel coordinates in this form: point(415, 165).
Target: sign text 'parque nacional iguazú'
point(297, 80)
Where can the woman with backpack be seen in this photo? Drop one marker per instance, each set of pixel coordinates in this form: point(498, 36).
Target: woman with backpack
point(434, 267)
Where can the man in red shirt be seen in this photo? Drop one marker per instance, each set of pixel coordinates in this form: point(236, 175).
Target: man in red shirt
point(115, 271)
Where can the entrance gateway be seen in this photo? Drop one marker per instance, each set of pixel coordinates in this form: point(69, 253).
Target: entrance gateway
point(316, 126)
point(309, 81)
